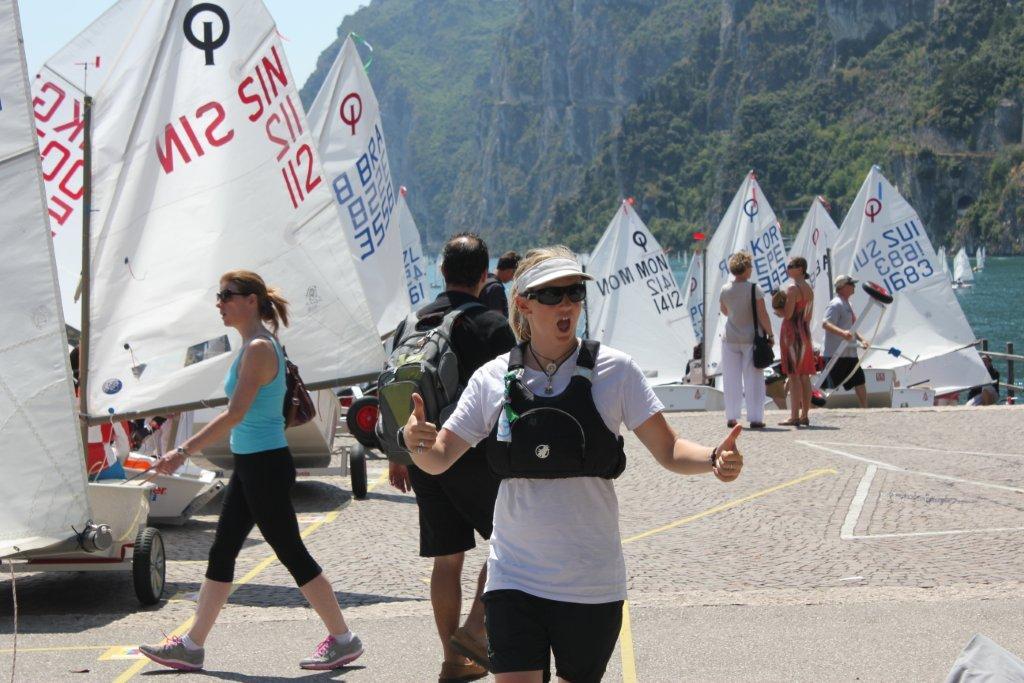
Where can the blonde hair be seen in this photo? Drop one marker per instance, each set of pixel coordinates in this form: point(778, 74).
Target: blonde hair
point(520, 325)
point(273, 307)
point(739, 262)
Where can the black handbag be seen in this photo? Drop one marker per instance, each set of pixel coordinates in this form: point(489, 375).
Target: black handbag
point(764, 353)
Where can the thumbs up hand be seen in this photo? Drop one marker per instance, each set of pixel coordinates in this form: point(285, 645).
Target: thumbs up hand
point(418, 433)
point(729, 461)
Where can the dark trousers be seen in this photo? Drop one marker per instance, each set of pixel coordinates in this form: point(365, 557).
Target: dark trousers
point(258, 495)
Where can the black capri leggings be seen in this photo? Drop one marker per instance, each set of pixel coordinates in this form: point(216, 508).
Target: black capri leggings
point(258, 494)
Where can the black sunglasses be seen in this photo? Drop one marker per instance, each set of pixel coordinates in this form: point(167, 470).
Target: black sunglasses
point(551, 296)
point(225, 294)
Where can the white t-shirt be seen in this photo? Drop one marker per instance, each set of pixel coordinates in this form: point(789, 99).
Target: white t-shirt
point(558, 538)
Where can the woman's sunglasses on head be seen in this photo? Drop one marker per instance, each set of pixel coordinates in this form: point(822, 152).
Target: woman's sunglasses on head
point(551, 296)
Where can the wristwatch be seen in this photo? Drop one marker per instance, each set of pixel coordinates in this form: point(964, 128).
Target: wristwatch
point(183, 451)
point(401, 438)
point(714, 456)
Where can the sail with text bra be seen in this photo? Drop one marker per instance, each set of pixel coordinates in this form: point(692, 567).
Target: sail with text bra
point(962, 267)
point(816, 236)
point(203, 163)
point(42, 460)
point(348, 133)
point(416, 266)
point(749, 225)
point(634, 303)
point(883, 240)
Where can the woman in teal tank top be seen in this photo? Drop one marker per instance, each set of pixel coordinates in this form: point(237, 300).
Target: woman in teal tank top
point(258, 492)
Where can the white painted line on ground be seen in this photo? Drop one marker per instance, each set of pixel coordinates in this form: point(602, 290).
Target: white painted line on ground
point(920, 448)
point(955, 532)
point(857, 504)
point(897, 468)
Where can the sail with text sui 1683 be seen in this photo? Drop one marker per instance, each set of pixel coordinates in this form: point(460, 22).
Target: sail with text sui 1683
point(962, 267)
point(748, 225)
point(203, 162)
point(416, 266)
point(816, 237)
point(42, 460)
point(883, 240)
point(634, 303)
point(346, 124)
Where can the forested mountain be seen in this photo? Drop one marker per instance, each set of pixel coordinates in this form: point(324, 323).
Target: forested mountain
point(529, 120)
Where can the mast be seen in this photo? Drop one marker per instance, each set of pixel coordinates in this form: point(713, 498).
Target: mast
point(83, 342)
point(704, 315)
point(828, 268)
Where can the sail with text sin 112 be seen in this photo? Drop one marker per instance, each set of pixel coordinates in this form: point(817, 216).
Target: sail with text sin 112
point(42, 461)
point(883, 240)
point(634, 303)
point(749, 225)
point(693, 294)
point(203, 163)
point(416, 266)
point(817, 234)
point(348, 133)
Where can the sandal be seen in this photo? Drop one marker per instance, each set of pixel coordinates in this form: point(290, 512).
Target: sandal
point(805, 422)
point(791, 422)
point(452, 672)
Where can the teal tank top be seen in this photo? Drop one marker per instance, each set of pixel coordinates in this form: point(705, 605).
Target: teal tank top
point(262, 428)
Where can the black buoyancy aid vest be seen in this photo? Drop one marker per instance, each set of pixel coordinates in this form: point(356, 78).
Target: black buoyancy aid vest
point(553, 437)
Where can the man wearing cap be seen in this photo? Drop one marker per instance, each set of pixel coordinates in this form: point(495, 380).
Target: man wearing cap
point(493, 293)
point(839, 319)
point(455, 504)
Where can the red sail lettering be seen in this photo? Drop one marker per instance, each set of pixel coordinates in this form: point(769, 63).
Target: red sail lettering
point(218, 119)
point(76, 125)
point(275, 74)
point(167, 157)
point(248, 98)
point(45, 114)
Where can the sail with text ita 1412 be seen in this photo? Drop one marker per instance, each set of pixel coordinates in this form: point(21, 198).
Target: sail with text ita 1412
point(748, 225)
point(634, 303)
point(203, 163)
point(42, 461)
point(347, 130)
point(883, 240)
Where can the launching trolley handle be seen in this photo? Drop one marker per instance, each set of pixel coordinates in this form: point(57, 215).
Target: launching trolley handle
point(877, 296)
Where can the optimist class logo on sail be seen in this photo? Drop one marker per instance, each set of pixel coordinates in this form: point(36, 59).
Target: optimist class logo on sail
point(653, 270)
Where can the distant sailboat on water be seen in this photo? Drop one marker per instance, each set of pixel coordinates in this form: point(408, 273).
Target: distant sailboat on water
point(963, 276)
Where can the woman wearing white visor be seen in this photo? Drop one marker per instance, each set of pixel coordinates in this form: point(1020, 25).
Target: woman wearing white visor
point(551, 411)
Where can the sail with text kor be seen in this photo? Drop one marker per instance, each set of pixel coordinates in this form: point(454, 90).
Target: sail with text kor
point(634, 304)
point(816, 237)
point(944, 263)
point(348, 133)
point(203, 163)
point(42, 460)
point(416, 266)
point(748, 225)
point(693, 294)
point(883, 240)
point(962, 267)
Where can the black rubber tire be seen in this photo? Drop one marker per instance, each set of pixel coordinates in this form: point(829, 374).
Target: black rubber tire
point(357, 471)
point(365, 436)
point(149, 566)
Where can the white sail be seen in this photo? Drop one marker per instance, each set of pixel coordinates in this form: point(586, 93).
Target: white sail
point(347, 129)
point(943, 262)
point(693, 294)
point(962, 267)
point(203, 162)
point(749, 224)
point(980, 257)
point(883, 240)
point(634, 304)
point(42, 461)
point(816, 237)
point(416, 266)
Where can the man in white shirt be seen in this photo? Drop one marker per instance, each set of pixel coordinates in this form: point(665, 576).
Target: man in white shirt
point(838, 324)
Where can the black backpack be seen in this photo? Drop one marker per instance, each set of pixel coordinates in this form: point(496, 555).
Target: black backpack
point(423, 361)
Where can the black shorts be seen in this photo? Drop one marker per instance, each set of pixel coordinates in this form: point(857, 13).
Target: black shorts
point(842, 369)
point(523, 630)
point(454, 504)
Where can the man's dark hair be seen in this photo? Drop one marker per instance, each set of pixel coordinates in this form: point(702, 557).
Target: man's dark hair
point(508, 260)
point(464, 259)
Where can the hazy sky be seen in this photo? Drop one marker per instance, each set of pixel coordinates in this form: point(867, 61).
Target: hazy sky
point(308, 25)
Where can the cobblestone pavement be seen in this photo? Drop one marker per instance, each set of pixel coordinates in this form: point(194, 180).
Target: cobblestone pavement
point(865, 516)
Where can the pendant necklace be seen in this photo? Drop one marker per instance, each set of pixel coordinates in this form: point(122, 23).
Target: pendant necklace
point(550, 367)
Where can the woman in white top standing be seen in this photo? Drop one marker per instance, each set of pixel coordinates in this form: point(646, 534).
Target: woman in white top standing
point(551, 410)
point(740, 379)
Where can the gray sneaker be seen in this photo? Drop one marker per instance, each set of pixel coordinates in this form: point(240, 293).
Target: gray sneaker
point(173, 653)
point(330, 654)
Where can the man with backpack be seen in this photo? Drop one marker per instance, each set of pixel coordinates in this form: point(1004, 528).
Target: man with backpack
point(455, 331)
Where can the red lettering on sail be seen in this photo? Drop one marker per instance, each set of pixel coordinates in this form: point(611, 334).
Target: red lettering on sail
point(178, 138)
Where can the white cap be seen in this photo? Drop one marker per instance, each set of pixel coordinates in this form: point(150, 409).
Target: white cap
point(547, 271)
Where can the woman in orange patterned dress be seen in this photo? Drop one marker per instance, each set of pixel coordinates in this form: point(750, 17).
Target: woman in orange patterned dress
point(795, 342)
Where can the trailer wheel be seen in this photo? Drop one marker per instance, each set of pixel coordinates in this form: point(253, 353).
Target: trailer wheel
point(361, 420)
point(149, 565)
point(357, 470)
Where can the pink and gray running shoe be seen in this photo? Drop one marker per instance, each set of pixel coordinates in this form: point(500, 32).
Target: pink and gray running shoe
point(330, 654)
point(173, 653)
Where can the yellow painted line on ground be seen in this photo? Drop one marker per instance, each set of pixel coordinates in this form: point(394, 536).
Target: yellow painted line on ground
point(813, 474)
point(626, 647)
point(626, 632)
point(121, 652)
point(252, 574)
